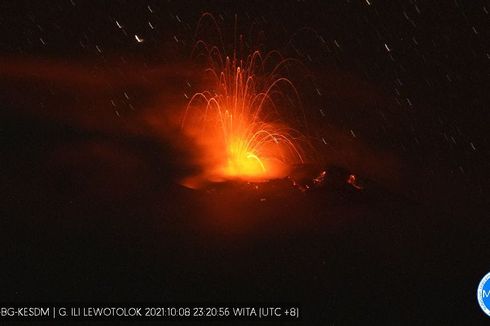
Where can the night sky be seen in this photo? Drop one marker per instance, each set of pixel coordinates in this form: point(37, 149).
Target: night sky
point(395, 93)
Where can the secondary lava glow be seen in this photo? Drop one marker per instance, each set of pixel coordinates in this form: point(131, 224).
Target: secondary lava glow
point(238, 124)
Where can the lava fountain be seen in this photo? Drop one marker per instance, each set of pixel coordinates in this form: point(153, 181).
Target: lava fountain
point(239, 123)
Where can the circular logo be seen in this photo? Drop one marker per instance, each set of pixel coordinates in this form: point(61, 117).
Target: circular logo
point(483, 294)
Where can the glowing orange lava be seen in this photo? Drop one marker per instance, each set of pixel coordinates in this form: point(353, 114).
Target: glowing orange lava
point(238, 125)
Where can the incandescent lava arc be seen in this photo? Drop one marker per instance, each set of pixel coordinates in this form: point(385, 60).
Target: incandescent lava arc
point(239, 123)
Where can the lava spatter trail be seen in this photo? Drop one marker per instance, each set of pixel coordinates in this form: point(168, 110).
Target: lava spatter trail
point(239, 124)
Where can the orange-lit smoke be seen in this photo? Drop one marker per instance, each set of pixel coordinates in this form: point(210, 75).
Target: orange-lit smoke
point(239, 123)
